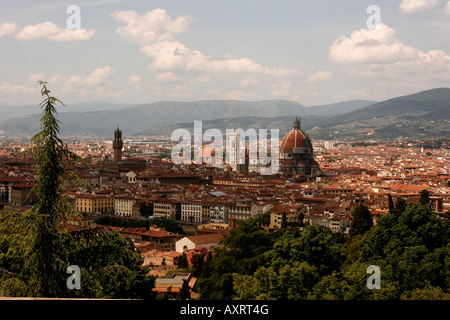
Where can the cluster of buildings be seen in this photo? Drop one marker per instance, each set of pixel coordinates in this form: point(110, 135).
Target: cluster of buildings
point(319, 187)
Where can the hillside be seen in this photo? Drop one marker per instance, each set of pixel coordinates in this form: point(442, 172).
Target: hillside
point(339, 107)
point(135, 119)
point(9, 112)
point(284, 124)
point(421, 115)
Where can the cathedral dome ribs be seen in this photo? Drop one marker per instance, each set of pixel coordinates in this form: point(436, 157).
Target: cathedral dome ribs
point(296, 152)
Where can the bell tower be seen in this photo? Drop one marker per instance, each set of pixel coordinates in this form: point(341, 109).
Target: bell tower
point(117, 145)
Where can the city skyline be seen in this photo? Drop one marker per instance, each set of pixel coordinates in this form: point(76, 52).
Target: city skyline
point(310, 52)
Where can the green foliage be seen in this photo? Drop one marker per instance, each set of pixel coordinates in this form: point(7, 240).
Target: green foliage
point(289, 282)
point(424, 197)
point(361, 220)
point(146, 209)
point(315, 246)
point(54, 161)
point(185, 291)
point(198, 261)
point(179, 270)
point(182, 261)
point(411, 246)
point(243, 253)
point(167, 224)
point(248, 240)
point(122, 223)
point(35, 250)
point(391, 204)
point(416, 226)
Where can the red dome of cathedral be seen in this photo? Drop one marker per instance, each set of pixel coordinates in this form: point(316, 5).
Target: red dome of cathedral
point(207, 151)
point(294, 139)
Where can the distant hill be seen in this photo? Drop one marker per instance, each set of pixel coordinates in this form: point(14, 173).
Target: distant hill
point(421, 115)
point(333, 109)
point(137, 118)
point(424, 114)
point(284, 124)
point(8, 112)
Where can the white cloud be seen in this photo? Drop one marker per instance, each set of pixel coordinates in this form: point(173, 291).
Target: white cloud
point(154, 26)
point(320, 76)
point(213, 93)
point(166, 77)
point(155, 33)
point(50, 31)
point(9, 88)
point(134, 80)
point(377, 45)
point(204, 79)
point(37, 77)
point(378, 52)
point(281, 89)
point(411, 6)
point(246, 82)
point(447, 8)
point(55, 78)
point(7, 28)
point(242, 95)
point(97, 77)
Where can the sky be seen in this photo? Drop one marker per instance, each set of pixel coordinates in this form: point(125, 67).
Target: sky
point(141, 51)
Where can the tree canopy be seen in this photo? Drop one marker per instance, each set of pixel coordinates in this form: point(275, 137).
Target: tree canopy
point(410, 245)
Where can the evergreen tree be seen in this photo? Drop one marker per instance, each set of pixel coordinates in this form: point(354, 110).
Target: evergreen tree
point(54, 163)
point(424, 197)
point(182, 261)
point(284, 222)
point(400, 206)
point(185, 291)
point(391, 204)
point(361, 220)
point(198, 261)
point(35, 249)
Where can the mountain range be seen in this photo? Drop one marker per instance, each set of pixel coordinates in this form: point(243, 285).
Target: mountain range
point(420, 115)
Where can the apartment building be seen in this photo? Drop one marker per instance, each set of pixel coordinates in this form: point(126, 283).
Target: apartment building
point(167, 208)
point(123, 206)
point(89, 203)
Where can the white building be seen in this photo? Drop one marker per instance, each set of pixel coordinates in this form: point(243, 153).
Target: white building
point(123, 205)
point(207, 241)
point(191, 212)
point(166, 208)
point(131, 177)
point(219, 213)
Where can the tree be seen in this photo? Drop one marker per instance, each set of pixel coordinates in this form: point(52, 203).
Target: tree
point(54, 163)
point(146, 209)
point(243, 253)
point(198, 261)
point(169, 225)
point(400, 206)
point(424, 197)
point(289, 282)
point(36, 250)
point(391, 204)
point(361, 220)
point(315, 245)
point(168, 294)
point(185, 291)
point(284, 222)
point(182, 261)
